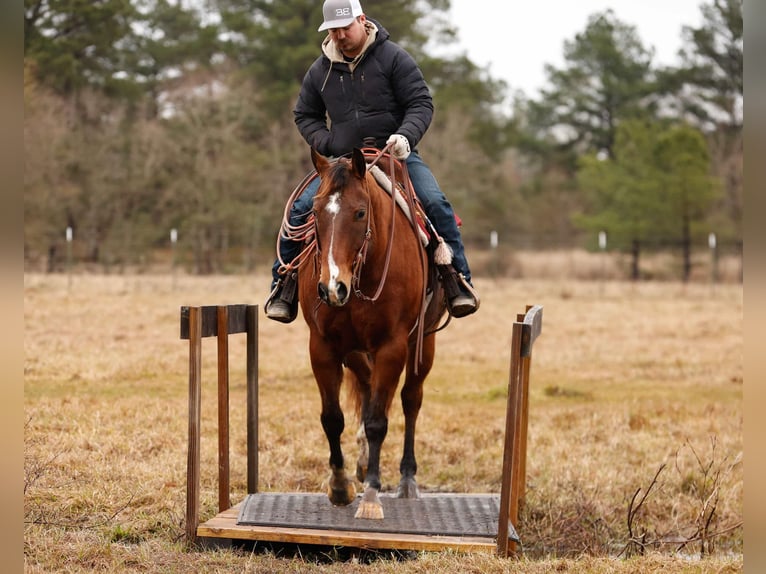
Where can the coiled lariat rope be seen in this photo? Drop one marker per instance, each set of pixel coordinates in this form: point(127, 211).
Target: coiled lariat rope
point(299, 233)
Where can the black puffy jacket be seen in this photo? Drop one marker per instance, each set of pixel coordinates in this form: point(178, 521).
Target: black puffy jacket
point(381, 93)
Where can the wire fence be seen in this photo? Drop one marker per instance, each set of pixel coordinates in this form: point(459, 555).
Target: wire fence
point(712, 260)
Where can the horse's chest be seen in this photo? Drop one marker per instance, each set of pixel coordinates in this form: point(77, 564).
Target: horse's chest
point(358, 335)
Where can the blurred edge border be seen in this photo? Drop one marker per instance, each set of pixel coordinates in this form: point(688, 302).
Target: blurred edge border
point(754, 18)
point(11, 278)
point(11, 281)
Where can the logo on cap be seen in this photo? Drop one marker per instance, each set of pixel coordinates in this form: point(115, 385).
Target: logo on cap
point(339, 13)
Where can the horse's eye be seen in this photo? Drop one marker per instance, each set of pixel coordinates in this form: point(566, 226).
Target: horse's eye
point(360, 214)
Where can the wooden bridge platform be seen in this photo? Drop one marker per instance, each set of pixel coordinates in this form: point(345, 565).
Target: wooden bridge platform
point(435, 522)
point(461, 522)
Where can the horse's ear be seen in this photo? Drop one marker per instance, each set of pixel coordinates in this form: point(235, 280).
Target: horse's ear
point(320, 162)
point(359, 164)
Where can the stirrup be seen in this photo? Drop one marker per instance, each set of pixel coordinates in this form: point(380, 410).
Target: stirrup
point(282, 303)
point(462, 298)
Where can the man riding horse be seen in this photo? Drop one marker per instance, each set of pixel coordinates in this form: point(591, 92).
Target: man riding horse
point(374, 95)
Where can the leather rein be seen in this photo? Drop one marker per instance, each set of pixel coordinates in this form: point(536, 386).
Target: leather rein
point(409, 194)
point(361, 256)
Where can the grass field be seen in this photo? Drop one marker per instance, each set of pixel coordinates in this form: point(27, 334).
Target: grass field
point(629, 382)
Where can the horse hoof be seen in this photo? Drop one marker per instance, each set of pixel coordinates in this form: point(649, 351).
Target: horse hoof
point(408, 488)
point(370, 507)
point(343, 495)
point(369, 511)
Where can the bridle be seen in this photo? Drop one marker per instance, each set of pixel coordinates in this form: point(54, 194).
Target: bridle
point(361, 256)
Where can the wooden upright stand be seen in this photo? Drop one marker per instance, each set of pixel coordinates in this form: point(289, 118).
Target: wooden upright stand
point(525, 330)
point(221, 321)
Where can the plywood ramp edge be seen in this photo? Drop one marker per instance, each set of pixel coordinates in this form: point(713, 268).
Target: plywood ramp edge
point(224, 525)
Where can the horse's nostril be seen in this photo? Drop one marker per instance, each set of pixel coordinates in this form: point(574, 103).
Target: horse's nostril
point(342, 292)
point(324, 294)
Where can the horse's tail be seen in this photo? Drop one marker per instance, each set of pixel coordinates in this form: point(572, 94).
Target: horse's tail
point(353, 392)
point(357, 365)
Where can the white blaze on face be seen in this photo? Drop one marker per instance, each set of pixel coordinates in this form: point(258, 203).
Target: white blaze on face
point(333, 208)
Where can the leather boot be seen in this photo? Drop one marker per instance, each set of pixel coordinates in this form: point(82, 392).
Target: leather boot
point(282, 304)
point(462, 299)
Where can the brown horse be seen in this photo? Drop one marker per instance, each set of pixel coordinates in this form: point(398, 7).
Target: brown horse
point(362, 297)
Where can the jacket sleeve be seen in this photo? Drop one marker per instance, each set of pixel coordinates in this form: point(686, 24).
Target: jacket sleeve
point(310, 113)
point(412, 93)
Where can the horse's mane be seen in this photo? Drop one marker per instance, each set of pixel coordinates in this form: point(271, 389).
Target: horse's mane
point(337, 178)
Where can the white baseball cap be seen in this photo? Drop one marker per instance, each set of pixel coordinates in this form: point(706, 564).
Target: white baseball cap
point(339, 13)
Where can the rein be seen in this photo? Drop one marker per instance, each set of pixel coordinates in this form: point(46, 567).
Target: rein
point(409, 194)
point(361, 256)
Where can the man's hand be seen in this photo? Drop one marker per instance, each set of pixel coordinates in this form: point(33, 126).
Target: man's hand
point(400, 146)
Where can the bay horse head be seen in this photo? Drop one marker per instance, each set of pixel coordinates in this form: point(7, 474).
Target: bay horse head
point(342, 211)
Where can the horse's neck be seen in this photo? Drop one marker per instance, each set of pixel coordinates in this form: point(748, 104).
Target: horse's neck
point(384, 182)
point(380, 199)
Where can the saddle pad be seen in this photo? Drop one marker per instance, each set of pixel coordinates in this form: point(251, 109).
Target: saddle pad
point(432, 514)
point(385, 183)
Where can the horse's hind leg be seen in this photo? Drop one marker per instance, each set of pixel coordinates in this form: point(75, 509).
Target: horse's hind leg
point(412, 399)
point(329, 375)
point(364, 454)
point(358, 377)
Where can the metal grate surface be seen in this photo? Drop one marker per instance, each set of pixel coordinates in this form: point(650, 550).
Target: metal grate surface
point(432, 514)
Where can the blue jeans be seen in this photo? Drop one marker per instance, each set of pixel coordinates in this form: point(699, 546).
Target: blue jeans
point(435, 204)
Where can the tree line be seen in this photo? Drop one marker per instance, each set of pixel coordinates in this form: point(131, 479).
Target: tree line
point(143, 116)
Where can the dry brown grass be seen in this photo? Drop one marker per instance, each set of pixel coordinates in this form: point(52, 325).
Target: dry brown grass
point(625, 378)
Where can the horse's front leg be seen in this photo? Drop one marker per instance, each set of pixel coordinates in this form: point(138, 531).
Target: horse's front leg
point(388, 365)
point(328, 373)
point(340, 489)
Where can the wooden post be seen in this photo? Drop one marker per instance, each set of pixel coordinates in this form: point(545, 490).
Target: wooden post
point(506, 547)
point(224, 501)
point(195, 402)
point(532, 327)
point(252, 399)
point(219, 321)
point(523, 427)
point(513, 487)
point(68, 258)
point(173, 241)
point(518, 433)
